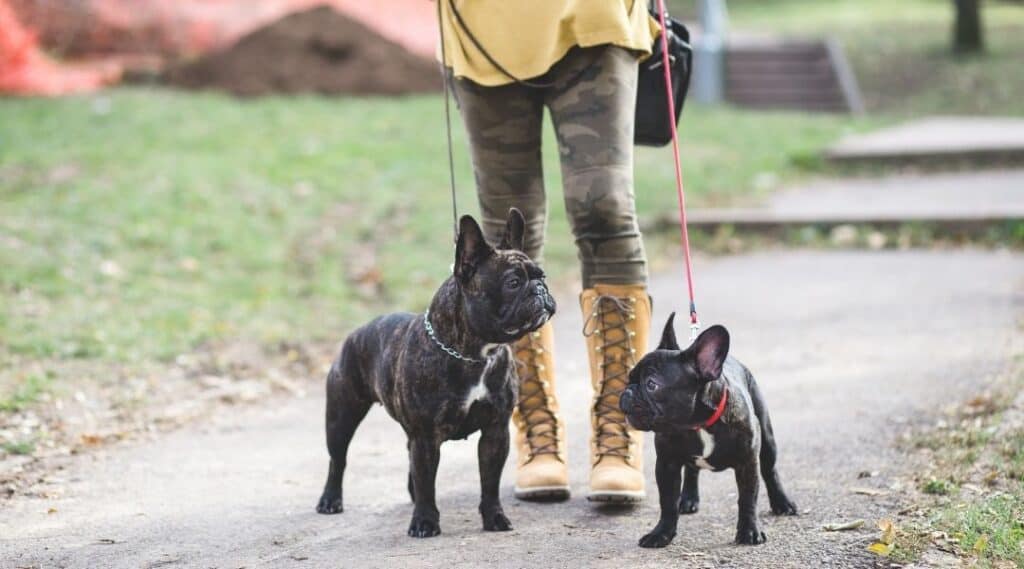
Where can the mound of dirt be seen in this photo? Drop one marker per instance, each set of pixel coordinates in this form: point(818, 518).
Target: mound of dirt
point(314, 51)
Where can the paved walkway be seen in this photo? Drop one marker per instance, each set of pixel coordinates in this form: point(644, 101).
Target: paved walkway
point(937, 138)
point(848, 347)
point(956, 199)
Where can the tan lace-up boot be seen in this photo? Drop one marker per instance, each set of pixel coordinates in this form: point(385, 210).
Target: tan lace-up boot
point(617, 319)
point(542, 472)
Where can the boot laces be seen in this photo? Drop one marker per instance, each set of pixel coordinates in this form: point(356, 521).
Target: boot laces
point(532, 386)
point(610, 319)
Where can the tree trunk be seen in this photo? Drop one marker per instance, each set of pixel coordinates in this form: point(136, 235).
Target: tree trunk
point(967, 34)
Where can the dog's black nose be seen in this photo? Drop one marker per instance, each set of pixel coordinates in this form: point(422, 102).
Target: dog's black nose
point(626, 400)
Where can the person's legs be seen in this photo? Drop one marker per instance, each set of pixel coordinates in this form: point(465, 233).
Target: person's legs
point(593, 116)
point(593, 113)
point(504, 127)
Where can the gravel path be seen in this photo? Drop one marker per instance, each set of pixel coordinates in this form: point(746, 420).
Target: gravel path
point(848, 347)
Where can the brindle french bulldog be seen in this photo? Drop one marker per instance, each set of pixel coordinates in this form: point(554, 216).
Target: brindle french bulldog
point(706, 412)
point(443, 374)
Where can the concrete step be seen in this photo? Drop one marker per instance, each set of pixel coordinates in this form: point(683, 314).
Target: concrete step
point(963, 203)
point(937, 141)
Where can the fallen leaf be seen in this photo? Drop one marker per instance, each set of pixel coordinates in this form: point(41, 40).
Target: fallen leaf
point(879, 548)
point(981, 544)
point(973, 488)
point(869, 491)
point(837, 526)
point(51, 511)
point(888, 531)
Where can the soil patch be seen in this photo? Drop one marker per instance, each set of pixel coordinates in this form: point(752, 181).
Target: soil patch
point(314, 51)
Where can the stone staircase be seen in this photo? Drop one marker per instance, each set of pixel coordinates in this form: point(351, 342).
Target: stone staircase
point(805, 75)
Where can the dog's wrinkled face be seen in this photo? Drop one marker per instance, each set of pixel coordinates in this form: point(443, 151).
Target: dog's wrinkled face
point(506, 296)
point(666, 386)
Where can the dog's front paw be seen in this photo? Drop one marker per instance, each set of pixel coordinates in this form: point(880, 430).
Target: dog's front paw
point(784, 507)
point(496, 522)
point(688, 505)
point(330, 503)
point(657, 538)
point(424, 527)
point(750, 536)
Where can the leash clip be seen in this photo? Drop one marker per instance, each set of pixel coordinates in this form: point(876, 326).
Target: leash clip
point(694, 330)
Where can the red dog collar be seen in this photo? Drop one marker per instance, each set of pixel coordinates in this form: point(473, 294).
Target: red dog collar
point(718, 411)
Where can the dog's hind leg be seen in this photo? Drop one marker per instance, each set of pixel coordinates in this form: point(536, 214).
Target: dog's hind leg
point(346, 408)
point(689, 498)
point(777, 498)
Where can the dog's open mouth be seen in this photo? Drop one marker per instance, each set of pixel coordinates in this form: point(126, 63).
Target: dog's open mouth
point(530, 326)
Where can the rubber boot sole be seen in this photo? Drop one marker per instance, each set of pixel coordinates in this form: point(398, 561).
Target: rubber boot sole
point(616, 497)
point(543, 493)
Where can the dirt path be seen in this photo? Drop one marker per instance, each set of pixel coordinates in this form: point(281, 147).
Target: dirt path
point(848, 348)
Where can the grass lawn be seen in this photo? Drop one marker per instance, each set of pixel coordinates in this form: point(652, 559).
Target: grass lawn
point(141, 223)
point(972, 483)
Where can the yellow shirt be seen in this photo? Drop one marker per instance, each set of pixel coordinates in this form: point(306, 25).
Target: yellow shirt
point(527, 37)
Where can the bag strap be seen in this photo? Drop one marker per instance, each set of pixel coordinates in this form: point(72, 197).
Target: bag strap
point(487, 54)
point(494, 63)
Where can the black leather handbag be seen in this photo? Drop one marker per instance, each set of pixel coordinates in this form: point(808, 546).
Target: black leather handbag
point(652, 117)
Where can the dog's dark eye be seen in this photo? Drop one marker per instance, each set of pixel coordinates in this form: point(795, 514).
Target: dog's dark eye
point(513, 283)
point(652, 385)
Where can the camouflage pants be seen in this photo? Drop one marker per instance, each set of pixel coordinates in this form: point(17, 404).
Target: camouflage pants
point(591, 95)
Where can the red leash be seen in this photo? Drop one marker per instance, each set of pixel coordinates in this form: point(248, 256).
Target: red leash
point(680, 192)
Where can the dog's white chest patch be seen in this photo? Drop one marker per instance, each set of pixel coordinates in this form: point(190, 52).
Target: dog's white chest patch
point(476, 393)
point(495, 355)
point(708, 446)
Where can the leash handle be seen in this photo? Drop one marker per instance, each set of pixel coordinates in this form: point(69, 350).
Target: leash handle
point(680, 192)
point(448, 125)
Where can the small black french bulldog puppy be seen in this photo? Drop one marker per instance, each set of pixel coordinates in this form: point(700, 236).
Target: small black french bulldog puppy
point(706, 412)
point(443, 374)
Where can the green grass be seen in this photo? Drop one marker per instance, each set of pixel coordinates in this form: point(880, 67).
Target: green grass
point(25, 393)
point(142, 223)
point(938, 487)
point(991, 528)
point(22, 447)
point(1013, 452)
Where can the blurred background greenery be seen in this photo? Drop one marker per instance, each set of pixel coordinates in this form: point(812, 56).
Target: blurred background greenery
point(141, 223)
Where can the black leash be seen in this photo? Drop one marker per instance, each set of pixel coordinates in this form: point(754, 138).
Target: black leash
point(448, 125)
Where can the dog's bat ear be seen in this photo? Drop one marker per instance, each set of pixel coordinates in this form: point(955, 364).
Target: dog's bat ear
point(470, 249)
point(515, 228)
point(710, 350)
point(668, 336)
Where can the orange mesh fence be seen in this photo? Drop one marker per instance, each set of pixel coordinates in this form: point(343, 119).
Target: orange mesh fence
point(167, 28)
